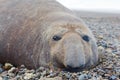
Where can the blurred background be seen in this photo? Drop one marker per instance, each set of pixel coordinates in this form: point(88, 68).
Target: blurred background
point(112, 6)
point(93, 6)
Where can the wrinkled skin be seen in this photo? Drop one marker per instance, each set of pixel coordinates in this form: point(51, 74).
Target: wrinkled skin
point(38, 32)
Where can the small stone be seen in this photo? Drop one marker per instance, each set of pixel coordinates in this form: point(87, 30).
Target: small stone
point(11, 74)
point(107, 75)
point(101, 51)
point(1, 70)
point(113, 78)
point(21, 72)
point(89, 76)
point(51, 75)
point(38, 75)
point(100, 36)
point(99, 78)
point(1, 78)
point(67, 75)
point(22, 66)
point(28, 76)
point(102, 43)
point(93, 78)
point(7, 66)
point(55, 78)
point(74, 74)
point(18, 77)
point(4, 73)
point(108, 50)
point(5, 78)
point(30, 71)
point(12, 70)
point(58, 78)
point(41, 68)
point(114, 55)
point(110, 67)
point(83, 77)
point(43, 73)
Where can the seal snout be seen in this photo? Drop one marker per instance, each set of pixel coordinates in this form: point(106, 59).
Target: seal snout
point(74, 66)
point(74, 53)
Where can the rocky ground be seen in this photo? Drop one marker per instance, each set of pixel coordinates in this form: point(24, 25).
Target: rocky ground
point(107, 33)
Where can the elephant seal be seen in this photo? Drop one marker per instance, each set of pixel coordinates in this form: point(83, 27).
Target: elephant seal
point(38, 32)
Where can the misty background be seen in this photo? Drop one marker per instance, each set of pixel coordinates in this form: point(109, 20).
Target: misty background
point(93, 7)
point(112, 6)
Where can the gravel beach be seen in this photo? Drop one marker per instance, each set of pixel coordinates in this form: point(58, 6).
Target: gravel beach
point(107, 33)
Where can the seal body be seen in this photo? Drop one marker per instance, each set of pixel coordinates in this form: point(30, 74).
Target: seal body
point(38, 32)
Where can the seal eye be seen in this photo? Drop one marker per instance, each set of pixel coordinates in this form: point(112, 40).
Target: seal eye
point(56, 38)
point(86, 38)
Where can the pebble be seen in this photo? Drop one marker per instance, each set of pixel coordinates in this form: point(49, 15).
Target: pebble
point(5, 78)
point(18, 77)
point(100, 36)
point(12, 70)
point(1, 70)
point(83, 77)
point(38, 75)
point(22, 66)
point(107, 75)
point(101, 51)
point(21, 72)
point(11, 74)
point(51, 75)
point(100, 78)
point(28, 76)
point(43, 73)
point(41, 69)
point(109, 67)
point(102, 43)
point(55, 78)
point(30, 71)
point(7, 66)
point(67, 75)
point(113, 77)
point(109, 50)
point(1, 78)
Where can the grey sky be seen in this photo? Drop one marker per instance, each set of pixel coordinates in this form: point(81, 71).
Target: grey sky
point(93, 5)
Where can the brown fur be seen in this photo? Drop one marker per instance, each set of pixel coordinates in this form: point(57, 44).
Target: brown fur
point(27, 28)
